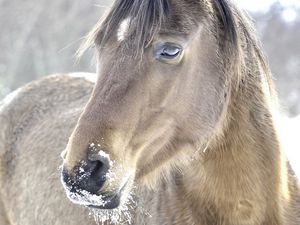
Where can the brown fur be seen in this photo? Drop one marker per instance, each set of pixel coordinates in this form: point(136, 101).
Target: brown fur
point(198, 136)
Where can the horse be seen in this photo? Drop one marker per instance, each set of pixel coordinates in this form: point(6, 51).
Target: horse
point(179, 127)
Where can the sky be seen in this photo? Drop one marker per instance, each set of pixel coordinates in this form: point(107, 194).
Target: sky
point(289, 14)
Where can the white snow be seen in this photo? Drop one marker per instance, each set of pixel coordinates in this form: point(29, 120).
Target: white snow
point(104, 154)
point(114, 216)
point(120, 215)
point(85, 198)
point(97, 147)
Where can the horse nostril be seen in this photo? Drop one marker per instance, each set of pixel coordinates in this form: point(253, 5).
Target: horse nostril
point(98, 173)
point(92, 176)
point(97, 166)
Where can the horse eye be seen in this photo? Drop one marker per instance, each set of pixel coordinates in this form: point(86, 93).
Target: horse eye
point(167, 51)
point(170, 51)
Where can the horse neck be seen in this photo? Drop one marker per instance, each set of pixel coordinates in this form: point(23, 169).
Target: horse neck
point(242, 176)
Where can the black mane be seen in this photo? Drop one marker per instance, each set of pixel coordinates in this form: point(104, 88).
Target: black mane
point(147, 17)
point(228, 20)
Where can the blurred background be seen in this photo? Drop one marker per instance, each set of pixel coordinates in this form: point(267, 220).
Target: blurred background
point(40, 37)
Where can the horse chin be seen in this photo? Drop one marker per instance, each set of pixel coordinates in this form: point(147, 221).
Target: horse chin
point(119, 198)
point(109, 202)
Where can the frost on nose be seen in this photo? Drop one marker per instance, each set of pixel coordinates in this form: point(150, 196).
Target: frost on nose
point(96, 153)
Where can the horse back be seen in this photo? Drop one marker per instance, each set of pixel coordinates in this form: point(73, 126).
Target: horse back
point(36, 122)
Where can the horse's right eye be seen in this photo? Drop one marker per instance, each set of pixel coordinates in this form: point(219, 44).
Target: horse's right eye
point(168, 52)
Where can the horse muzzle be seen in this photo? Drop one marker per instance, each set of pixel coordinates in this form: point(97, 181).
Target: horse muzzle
point(85, 183)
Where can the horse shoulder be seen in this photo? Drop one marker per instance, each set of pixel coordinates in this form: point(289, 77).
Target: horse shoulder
point(27, 104)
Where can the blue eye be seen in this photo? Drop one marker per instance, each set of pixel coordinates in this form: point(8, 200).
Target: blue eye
point(170, 51)
point(167, 51)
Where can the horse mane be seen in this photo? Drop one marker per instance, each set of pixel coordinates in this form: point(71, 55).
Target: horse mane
point(228, 20)
point(148, 17)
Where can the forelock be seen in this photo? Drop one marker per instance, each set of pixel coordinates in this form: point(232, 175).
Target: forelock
point(148, 16)
point(146, 19)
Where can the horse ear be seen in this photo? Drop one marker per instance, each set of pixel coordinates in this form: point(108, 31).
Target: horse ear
point(227, 18)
